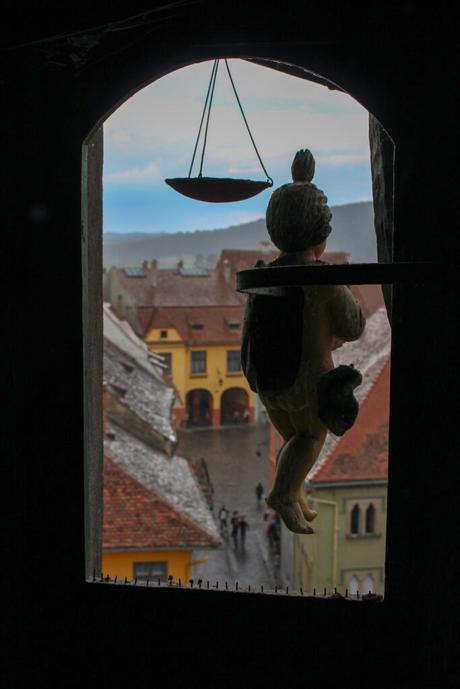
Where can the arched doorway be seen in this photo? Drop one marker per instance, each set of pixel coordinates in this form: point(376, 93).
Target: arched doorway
point(234, 406)
point(198, 404)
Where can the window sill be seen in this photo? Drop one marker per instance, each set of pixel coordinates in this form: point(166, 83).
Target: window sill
point(198, 375)
point(234, 373)
point(357, 536)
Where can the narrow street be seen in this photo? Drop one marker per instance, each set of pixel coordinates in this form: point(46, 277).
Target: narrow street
point(237, 459)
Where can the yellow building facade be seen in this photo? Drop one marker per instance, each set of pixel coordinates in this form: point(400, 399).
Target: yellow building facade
point(148, 564)
point(208, 378)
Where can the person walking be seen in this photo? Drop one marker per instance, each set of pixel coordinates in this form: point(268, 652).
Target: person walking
point(223, 516)
point(234, 522)
point(259, 492)
point(242, 528)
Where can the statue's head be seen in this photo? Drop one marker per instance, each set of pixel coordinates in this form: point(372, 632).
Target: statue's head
point(298, 216)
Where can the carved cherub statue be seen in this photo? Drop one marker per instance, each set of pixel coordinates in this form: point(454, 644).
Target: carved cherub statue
point(288, 342)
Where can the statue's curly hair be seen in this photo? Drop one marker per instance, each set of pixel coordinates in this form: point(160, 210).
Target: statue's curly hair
point(298, 216)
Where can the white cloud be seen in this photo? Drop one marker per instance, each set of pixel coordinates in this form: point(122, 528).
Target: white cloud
point(136, 174)
point(339, 159)
point(284, 113)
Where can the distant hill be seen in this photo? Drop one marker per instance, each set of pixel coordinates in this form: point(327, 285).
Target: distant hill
point(352, 231)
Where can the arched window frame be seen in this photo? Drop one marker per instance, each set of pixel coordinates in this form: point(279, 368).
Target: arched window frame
point(370, 519)
point(384, 273)
point(355, 520)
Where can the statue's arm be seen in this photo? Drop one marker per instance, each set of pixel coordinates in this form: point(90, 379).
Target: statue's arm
point(346, 315)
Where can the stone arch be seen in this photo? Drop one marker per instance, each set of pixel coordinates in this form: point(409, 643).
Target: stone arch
point(234, 406)
point(367, 585)
point(120, 85)
point(198, 407)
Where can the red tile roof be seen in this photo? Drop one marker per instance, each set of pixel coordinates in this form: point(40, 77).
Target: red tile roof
point(137, 517)
point(369, 296)
point(215, 322)
point(362, 453)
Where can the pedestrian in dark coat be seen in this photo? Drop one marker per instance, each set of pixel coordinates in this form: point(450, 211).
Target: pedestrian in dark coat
point(234, 522)
point(242, 527)
point(259, 492)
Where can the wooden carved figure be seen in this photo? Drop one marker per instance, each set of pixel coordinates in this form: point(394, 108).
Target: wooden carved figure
point(288, 342)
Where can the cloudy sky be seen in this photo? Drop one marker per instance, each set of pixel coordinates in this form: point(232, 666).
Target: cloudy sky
point(152, 136)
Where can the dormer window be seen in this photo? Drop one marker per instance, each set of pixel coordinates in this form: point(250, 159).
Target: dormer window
point(197, 326)
point(163, 334)
point(234, 325)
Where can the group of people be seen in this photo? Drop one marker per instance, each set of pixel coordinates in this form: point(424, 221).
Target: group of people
point(238, 523)
point(237, 418)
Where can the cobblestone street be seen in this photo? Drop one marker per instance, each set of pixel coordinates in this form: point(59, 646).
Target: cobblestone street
point(237, 459)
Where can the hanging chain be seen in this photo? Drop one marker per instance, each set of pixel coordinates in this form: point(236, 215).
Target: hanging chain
point(246, 123)
point(207, 119)
point(207, 105)
point(212, 80)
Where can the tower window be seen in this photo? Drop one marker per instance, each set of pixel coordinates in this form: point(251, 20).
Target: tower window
point(355, 520)
point(370, 519)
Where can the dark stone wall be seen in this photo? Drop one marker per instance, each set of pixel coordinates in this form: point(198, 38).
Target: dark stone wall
point(400, 65)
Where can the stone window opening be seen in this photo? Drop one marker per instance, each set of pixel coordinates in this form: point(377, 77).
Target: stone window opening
point(370, 519)
point(382, 155)
point(355, 521)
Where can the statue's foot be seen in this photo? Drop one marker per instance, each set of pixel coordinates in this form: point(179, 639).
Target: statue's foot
point(290, 512)
point(306, 511)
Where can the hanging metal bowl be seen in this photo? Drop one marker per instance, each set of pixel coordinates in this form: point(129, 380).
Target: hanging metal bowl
point(217, 189)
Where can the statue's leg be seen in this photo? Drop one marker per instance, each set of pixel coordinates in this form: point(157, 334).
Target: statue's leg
point(279, 499)
point(318, 432)
point(280, 420)
point(283, 424)
point(295, 460)
point(284, 495)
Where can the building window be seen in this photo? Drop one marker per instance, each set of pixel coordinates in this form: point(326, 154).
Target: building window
point(353, 586)
point(233, 326)
point(151, 570)
point(198, 362)
point(370, 519)
point(163, 333)
point(367, 585)
point(355, 520)
point(233, 361)
point(167, 359)
point(197, 326)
